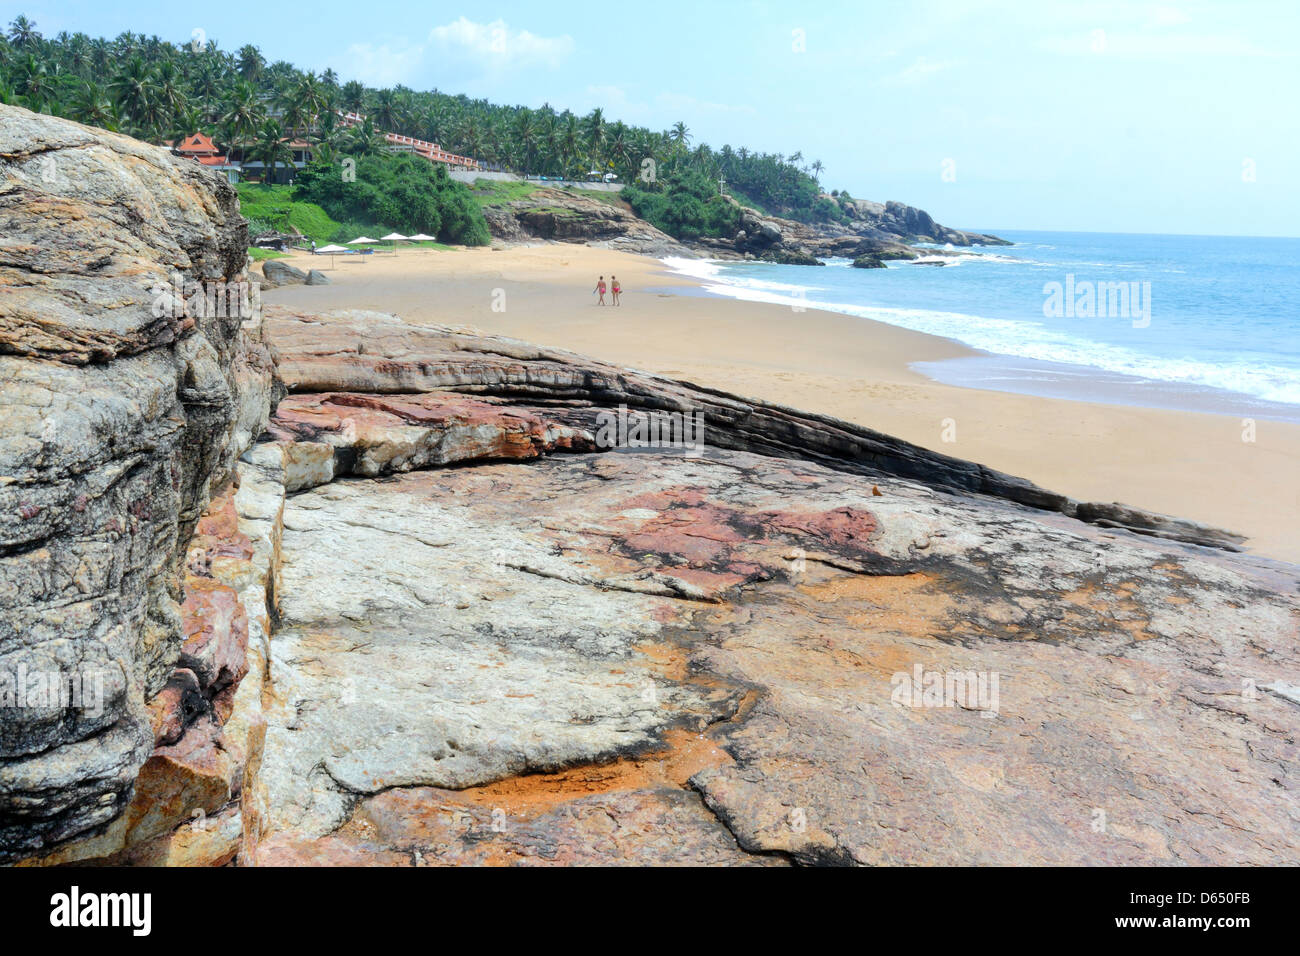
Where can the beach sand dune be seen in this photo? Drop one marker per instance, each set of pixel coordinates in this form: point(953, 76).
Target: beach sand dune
point(1192, 465)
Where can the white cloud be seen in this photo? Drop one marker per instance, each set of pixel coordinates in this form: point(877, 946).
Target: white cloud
point(491, 47)
point(496, 46)
point(383, 65)
point(611, 98)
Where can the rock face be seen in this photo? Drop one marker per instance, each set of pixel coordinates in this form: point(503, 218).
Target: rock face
point(883, 231)
point(563, 656)
point(434, 615)
point(565, 216)
point(900, 219)
point(373, 352)
point(128, 395)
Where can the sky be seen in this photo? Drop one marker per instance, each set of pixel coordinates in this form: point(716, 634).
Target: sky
point(1161, 117)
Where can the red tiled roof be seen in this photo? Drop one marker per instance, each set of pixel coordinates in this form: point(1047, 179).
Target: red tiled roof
point(196, 145)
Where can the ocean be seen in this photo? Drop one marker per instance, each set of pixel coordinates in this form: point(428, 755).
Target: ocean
point(1206, 323)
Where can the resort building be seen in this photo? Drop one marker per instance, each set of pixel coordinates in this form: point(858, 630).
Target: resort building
point(200, 148)
point(430, 151)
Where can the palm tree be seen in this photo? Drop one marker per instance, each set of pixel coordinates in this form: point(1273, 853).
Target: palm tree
point(362, 140)
point(133, 92)
point(22, 33)
point(385, 110)
point(242, 113)
point(271, 149)
point(308, 97)
point(620, 148)
point(594, 126)
point(817, 168)
point(527, 140)
point(680, 135)
point(570, 143)
point(251, 63)
point(93, 108)
point(353, 97)
point(168, 95)
point(35, 83)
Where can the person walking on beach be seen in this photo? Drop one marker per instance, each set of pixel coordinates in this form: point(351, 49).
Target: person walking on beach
point(313, 247)
point(600, 288)
point(615, 288)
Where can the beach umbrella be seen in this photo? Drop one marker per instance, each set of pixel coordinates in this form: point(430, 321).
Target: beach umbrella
point(393, 237)
point(421, 237)
point(333, 251)
point(361, 240)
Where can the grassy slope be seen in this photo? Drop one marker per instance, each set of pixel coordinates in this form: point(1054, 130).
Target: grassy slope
point(274, 205)
point(491, 192)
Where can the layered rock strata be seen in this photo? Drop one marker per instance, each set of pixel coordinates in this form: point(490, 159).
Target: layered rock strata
point(427, 613)
point(128, 392)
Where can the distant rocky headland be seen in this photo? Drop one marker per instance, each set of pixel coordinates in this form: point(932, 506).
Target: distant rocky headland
point(876, 231)
point(337, 588)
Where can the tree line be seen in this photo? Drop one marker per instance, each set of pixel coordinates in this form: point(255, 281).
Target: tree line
point(157, 90)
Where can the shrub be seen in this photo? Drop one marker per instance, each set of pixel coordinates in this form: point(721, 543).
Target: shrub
point(403, 193)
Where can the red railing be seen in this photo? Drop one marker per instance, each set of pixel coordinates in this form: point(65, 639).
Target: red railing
point(430, 151)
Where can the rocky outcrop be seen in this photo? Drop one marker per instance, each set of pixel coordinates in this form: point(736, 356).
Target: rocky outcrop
point(563, 215)
point(373, 352)
point(559, 655)
point(884, 231)
point(899, 219)
point(132, 374)
point(436, 615)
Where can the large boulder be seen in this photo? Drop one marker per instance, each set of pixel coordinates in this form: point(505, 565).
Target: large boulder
point(132, 375)
point(281, 273)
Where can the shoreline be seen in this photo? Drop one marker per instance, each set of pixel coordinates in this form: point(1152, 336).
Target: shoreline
point(990, 369)
point(1189, 464)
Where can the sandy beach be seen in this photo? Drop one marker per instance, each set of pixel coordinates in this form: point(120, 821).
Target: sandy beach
point(1188, 464)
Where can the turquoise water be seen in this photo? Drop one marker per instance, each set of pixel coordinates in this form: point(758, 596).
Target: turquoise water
point(1201, 321)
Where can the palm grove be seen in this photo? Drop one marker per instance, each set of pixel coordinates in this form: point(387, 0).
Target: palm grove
point(156, 90)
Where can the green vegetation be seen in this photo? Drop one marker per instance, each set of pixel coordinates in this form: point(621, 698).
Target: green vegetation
point(157, 90)
point(492, 192)
point(273, 209)
point(600, 195)
point(257, 255)
point(403, 192)
point(686, 205)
